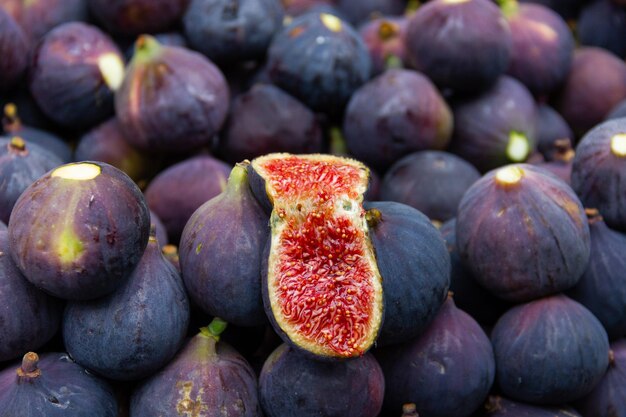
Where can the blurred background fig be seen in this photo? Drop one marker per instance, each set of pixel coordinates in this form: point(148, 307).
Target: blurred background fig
point(568, 9)
point(550, 128)
point(384, 38)
point(362, 11)
point(602, 23)
point(14, 49)
point(497, 406)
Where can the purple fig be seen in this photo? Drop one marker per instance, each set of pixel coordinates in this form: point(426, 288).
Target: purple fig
point(14, 50)
point(384, 38)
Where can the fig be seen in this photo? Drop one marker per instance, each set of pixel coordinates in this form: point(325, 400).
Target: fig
point(415, 266)
point(319, 59)
point(292, 385)
point(207, 376)
point(76, 70)
point(322, 290)
point(602, 23)
point(20, 165)
point(598, 170)
point(550, 128)
point(266, 119)
point(134, 17)
point(136, 330)
point(3, 227)
point(79, 230)
point(384, 38)
point(29, 317)
point(172, 99)
point(568, 9)
point(54, 386)
point(394, 114)
point(161, 233)
point(497, 406)
point(361, 11)
point(497, 127)
point(618, 111)
point(523, 233)
point(607, 399)
point(232, 31)
point(298, 7)
point(549, 351)
point(14, 49)
point(203, 177)
point(460, 45)
point(431, 181)
point(562, 161)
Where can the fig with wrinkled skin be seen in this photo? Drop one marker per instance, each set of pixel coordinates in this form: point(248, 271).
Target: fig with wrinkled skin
point(496, 406)
point(384, 38)
point(79, 231)
point(14, 50)
point(135, 331)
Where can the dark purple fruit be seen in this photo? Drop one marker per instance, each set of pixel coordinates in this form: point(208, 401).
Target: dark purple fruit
point(3, 227)
point(608, 398)
point(600, 169)
point(602, 23)
point(523, 233)
point(394, 114)
point(618, 111)
point(79, 231)
point(266, 119)
point(20, 165)
point(76, 69)
point(207, 377)
point(177, 192)
point(550, 128)
point(29, 317)
point(431, 181)
point(568, 9)
point(292, 385)
point(54, 386)
point(562, 161)
point(232, 31)
point(298, 7)
point(384, 38)
point(446, 372)
point(357, 12)
point(461, 45)
point(172, 99)
point(135, 331)
point(161, 233)
point(497, 406)
point(222, 274)
point(134, 17)
point(549, 351)
point(14, 50)
point(497, 127)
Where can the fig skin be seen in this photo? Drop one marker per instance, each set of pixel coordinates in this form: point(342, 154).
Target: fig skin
point(497, 406)
point(21, 164)
point(415, 265)
point(294, 8)
point(134, 17)
point(549, 351)
point(568, 9)
point(228, 32)
point(206, 375)
point(292, 385)
point(394, 114)
point(29, 317)
point(79, 239)
point(172, 99)
point(598, 172)
point(360, 12)
point(14, 49)
point(550, 128)
point(433, 182)
point(602, 24)
point(266, 119)
point(463, 46)
point(447, 371)
point(68, 79)
point(203, 176)
point(384, 38)
point(54, 386)
point(618, 111)
point(136, 330)
point(525, 239)
point(161, 233)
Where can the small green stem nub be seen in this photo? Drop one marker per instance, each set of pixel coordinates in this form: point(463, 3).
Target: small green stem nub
point(393, 61)
point(214, 329)
point(508, 7)
point(11, 121)
point(337, 142)
point(146, 48)
point(373, 217)
point(238, 177)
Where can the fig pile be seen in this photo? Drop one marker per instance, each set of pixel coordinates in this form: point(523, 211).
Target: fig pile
point(312, 208)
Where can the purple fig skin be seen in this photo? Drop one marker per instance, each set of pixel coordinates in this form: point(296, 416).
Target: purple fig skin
point(607, 399)
point(603, 24)
point(486, 126)
point(394, 114)
point(54, 386)
point(21, 164)
point(206, 376)
point(295, 8)
point(549, 351)
point(496, 406)
point(618, 111)
point(161, 233)
point(135, 331)
point(438, 37)
point(523, 239)
point(550, 128)
point(568, 9)
point(29, 317)
point(384, 38)
point(599, 170)
point(79, 239)
point(172, 99)
point(134, 17)
point(166, 38)
point(292, 385)
point(543, 48)
point(203, 178)
point(433, 182)
point(38, 17)
point(67, 79)
point(561, 162)
point(447, 371)
point(14, 49)
point(362, 11)
point(220, 253)
point(596, 83)
point(3, 227)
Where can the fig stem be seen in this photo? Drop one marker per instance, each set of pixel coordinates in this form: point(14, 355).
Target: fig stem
point(238, 178)
point(373, 217)
point(337, 142)
point(393, 61)
point(146, 48)
point(11, 121)
point(508, 7)
point(29, 368)
point(214, 329)
point(18, 144)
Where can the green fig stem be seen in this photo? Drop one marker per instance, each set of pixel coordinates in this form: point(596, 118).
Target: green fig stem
point(412, 6)
point(593, 215)
point(146, 48)
point(238, 178)
point(11, 121)
point(508, 7)
point(17, 144)
point(214, 329)
point(373, 217)
point(29, 369)
point(337, 142)
point(393, 61)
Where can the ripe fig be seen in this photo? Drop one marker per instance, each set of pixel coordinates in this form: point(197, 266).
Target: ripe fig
point(550, 128)
point(562, 161)
point(497, 406)
point(384, 38)
point(14, 49)
point(79, 230)
point(361, 11)
point(618, 111)
point(602, 24)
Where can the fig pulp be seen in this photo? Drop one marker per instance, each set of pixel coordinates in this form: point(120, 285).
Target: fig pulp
point(322, 289)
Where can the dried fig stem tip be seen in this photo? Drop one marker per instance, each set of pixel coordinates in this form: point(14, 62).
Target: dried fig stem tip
point(509, 175)
point(618, 145)
point(29, 366)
